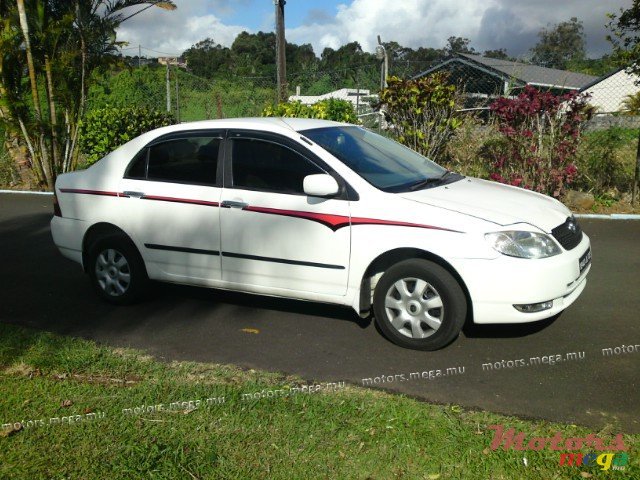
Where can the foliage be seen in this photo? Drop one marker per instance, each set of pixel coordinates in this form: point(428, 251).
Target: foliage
point(500, 54)
point(458, 45)
point(105, 129)
point(329, 109)
point(560, 44)
point(592, 66)
point(606, 159)
point(206, 58)
point(421, 112)
point(464, 152)
point(632, 104)
point(59, 44)
point(541, 133)
point(7, 170)
point(624, 37)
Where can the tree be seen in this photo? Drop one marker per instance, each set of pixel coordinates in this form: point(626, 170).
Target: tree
point(59, 44)
point(560, 44)
point(624, 28)
point(500, 54)
point(208, 58)
point(458, 45)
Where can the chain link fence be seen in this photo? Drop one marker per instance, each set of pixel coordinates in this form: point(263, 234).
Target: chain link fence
point(606, 158)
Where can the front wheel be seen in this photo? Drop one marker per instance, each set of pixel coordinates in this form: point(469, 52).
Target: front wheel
point(116, 270)
point(418, 304)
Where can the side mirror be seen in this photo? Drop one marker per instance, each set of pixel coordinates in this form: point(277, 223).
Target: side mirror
point(320, 185)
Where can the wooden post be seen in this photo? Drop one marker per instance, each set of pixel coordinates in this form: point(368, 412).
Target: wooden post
point(281, 60)
point(636, 175)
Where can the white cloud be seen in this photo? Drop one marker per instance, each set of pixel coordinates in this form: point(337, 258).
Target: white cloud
point(490, 24)
point(172, 32)
point(510, 24)
point(409, 22)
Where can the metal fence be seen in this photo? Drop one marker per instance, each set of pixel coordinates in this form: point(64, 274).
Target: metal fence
point(610, 139)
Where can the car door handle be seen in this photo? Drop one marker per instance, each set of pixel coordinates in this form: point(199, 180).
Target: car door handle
point(133, 194)
point(234, 204)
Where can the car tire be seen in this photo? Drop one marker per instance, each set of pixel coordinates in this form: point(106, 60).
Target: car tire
point(418, 304)
point(116, 269)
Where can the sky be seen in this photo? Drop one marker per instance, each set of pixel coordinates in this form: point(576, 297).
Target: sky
point(489, 24)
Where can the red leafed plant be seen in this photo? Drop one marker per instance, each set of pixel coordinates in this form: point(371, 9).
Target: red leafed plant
point(541, 133)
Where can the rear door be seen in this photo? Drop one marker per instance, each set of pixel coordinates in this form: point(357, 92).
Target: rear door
point(273, 235)
point(172, 205)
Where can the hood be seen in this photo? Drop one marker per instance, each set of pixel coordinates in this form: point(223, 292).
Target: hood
point(494, 202)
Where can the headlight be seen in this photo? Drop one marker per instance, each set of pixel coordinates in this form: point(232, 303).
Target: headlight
point(523, 244)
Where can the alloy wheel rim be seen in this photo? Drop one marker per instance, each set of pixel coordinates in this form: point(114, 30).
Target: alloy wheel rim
point(414, 308)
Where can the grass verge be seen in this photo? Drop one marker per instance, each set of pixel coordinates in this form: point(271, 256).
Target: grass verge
point(115, 429)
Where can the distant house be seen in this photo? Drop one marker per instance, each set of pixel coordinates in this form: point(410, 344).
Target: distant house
point(490, 77)
point(355, 96)
point(609, 92)
point(173, 61)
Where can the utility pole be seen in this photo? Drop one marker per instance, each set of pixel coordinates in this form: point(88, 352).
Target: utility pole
point(281, 59)
point(168, 88)
point(139, 55)
point(382, 54)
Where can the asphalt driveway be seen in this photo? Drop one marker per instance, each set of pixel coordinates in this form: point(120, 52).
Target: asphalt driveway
point(585, 385)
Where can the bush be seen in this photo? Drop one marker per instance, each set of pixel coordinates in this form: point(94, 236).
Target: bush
point(541, 133)
point(606, 160)
point(466, 152)
point(422, 112)
point(330, 109)
point(105, 129)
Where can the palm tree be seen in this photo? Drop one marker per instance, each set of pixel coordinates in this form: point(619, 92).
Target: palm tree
point(59, 43)
point(631, 104)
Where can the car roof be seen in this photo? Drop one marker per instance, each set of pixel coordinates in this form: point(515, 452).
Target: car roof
point(267, 123)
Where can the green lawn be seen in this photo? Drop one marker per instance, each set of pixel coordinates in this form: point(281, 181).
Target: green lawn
point(337, 432)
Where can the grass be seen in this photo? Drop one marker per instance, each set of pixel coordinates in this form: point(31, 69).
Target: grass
point(347, 432)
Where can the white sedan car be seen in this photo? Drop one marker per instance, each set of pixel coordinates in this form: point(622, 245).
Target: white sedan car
point(320, 211)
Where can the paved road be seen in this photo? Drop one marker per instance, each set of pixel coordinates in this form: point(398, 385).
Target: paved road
point(43, 290)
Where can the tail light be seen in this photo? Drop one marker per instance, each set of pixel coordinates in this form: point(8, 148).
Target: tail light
point(56, 206)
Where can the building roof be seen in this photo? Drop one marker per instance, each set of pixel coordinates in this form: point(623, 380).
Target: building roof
point(527, 74)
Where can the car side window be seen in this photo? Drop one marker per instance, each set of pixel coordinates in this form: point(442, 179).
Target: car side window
point(192, 160)
point(263, 165)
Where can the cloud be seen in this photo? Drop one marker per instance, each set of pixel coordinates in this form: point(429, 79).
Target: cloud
point(172, 32)
point(491, 24)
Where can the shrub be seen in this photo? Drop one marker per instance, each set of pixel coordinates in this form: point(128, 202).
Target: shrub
point(422, 112)
point(466, 151)
point(329, 109)
point(541, 132)
point(105, 129)
point(606, 160)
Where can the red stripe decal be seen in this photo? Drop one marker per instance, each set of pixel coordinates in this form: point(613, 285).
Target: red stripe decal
point(181, 200)
point(89, 192)
point(335, 222)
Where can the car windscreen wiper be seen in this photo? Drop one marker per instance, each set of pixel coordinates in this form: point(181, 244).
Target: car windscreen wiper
point(427, 181)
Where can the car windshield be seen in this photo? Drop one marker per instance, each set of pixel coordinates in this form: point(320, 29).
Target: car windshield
point(385, 164)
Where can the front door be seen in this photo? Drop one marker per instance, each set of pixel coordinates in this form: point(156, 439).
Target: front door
point(273, 235)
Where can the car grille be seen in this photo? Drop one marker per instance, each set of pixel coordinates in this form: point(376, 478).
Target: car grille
point(568, 234)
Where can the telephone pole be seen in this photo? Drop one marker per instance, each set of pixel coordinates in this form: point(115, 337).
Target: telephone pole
point(281, 59)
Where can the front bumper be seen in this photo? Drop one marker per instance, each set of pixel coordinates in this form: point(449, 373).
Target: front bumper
point(496, 285)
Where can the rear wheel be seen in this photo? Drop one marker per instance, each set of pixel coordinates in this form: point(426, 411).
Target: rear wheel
point(418, 304)
point(116, 270)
